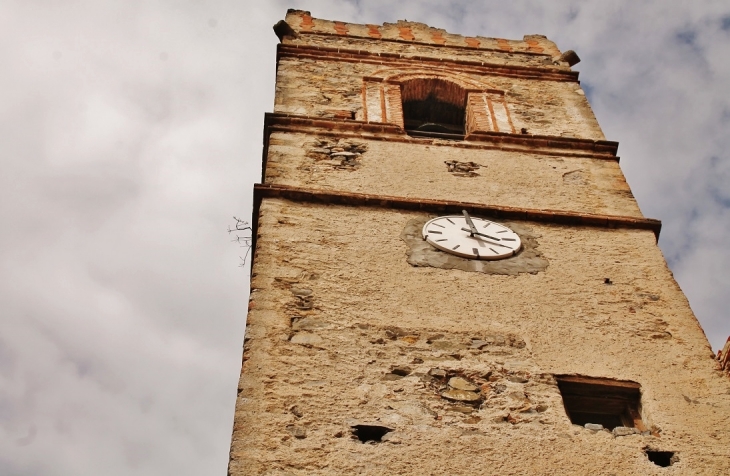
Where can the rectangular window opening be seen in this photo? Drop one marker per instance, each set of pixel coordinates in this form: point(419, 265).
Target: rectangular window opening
point(601, 401)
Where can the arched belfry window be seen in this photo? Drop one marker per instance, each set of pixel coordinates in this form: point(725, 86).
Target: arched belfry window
point(426, 104)
point(432, 106)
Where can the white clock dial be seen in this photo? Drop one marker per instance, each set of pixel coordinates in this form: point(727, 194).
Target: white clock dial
point(480, 239)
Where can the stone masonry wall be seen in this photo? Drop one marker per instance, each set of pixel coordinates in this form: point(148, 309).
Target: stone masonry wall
point(327, 88)
point(344, 332)
point(529, 180)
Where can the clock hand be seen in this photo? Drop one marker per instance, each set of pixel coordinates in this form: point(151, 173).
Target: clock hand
point(473, 229)
point(489, 241)
point(481, 234)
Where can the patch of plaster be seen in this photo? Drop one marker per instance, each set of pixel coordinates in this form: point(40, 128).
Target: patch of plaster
point(420, 253)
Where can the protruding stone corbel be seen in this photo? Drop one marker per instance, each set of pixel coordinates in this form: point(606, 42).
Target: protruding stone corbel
point(570, 57)
point(283, 29)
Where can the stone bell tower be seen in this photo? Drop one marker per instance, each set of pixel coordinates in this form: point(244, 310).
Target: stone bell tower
point(383, 336)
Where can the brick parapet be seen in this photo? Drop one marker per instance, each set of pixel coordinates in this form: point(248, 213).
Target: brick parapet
point(302, 22)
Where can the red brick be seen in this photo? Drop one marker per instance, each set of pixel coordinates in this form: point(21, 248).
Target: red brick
point(406, 33)
point(307, 22)
point(374, 31)
point(438, 38)
point(503, 45)
point(340, 28)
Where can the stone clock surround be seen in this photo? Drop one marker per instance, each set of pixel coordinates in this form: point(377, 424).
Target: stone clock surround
point(420, 253)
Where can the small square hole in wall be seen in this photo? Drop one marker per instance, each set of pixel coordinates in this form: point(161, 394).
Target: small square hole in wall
point(370, 433)
point(662, 458)
point(601, 401)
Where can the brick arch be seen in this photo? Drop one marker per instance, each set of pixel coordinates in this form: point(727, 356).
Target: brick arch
point(486, 107)
point(433, 102)
point(399, 76)
point(416, 89)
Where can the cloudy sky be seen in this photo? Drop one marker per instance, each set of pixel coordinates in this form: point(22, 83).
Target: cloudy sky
point(130, 133)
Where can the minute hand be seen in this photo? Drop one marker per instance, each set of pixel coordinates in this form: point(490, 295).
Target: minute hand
point(481, 234)
point(489, 241)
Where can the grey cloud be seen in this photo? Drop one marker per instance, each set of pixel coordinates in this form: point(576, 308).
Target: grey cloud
point(131, 132)
point(725, 23)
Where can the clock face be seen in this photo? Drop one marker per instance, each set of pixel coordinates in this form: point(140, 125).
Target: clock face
point(480, 239)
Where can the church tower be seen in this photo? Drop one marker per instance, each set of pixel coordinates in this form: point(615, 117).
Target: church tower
point(451, 275)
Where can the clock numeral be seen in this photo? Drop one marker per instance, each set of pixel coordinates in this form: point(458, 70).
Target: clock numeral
point(455, 247)
point(436, 224)
point(496, 253)
point(434, 231)
point(508, 239)
point(475, 251)
point(449, 220)
point(442, 239)
point(487, 225)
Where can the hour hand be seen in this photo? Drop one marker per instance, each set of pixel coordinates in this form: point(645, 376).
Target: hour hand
point(481, 234)
point(472, 229)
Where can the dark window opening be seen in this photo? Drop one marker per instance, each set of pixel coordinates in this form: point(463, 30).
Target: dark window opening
point(661, 458)
point(434, 108)
point(432, 115)
point(606, 402)
point(367, 433)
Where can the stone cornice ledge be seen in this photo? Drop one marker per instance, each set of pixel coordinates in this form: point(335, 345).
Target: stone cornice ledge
point(524, 143)
point(393, 59)
point(451, 206)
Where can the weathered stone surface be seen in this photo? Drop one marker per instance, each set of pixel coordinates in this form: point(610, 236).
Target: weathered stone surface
point(305, 338)
point(593, 426)
point(301, 292)
point(392, 438)
point(461, 395)
point(391, 376)
point(624, 431)
point(388, 168)
point(298, 432)
point(447, 345)
point(309, 324)
point(459, 383)
point(517, 379)
point(478, 344)
point(401, 370)
point(547, 117)
point(304, 303)
point(439, 373)
point(550, 310)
